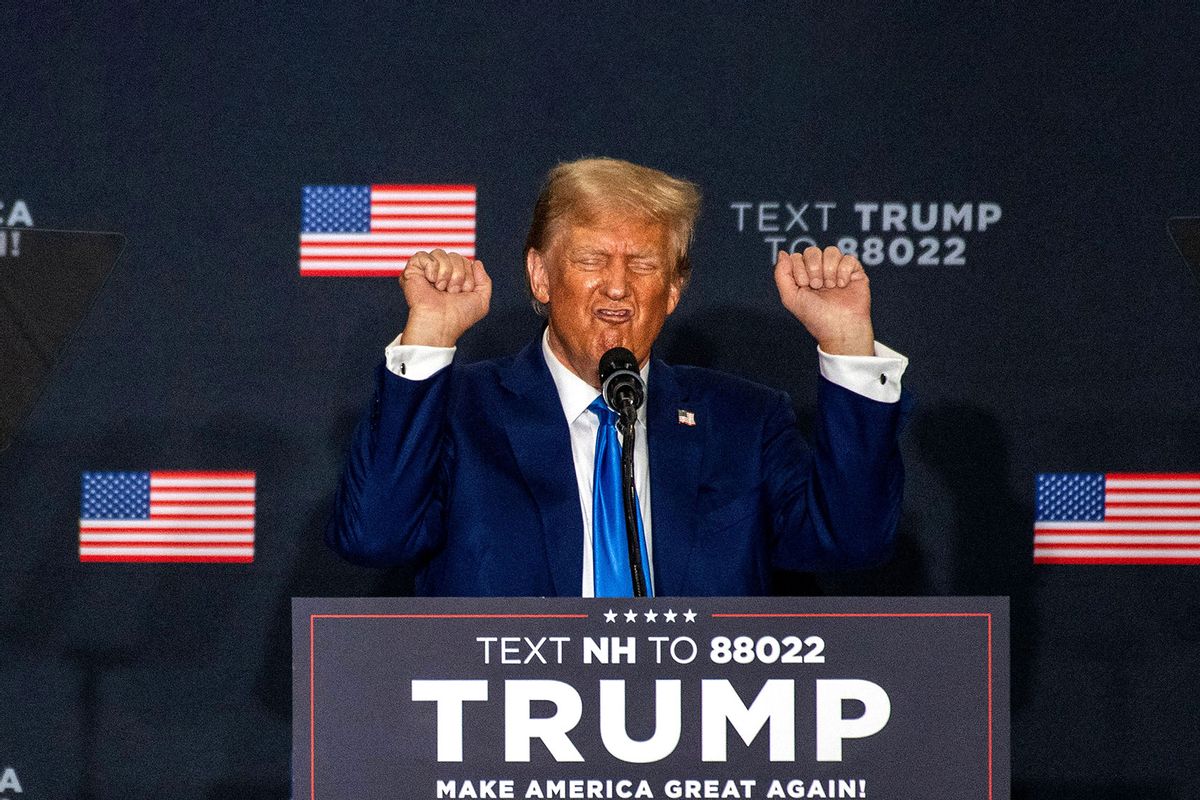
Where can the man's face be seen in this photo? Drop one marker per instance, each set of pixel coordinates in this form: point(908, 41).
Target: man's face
point(610, 283)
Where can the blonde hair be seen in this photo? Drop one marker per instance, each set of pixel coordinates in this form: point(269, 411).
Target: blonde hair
point(580, 191)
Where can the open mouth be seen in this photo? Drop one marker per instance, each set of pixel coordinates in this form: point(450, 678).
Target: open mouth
point(614, 315)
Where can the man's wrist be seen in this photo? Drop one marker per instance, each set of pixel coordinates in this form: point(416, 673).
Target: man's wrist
point(430, 332)
point(860, 343)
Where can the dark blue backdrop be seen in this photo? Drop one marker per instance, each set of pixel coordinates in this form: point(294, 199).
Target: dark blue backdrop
point(1067, 340)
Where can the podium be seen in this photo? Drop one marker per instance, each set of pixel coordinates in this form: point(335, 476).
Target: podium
point(664, 698)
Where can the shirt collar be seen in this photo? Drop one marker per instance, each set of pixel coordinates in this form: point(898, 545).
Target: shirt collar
point(574, 392)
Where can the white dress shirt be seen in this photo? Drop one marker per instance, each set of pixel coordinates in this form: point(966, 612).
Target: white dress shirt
point(877, 377)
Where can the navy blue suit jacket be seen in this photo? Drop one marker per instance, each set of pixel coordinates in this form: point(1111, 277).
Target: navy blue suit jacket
point(468, 475)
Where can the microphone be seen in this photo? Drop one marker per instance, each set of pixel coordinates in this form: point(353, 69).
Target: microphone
point(622, 388)
point(621, 383)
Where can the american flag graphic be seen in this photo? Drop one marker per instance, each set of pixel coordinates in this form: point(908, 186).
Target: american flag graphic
point(167, 516)
point(373, 230)
point(1117, 518)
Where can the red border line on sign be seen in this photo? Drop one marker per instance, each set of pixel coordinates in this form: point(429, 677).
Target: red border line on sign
point(312, 708)
point(912, 614)
point(864, 614)
point(312, 684)
point(449, 615)
point(312, 729)
point(990, 726)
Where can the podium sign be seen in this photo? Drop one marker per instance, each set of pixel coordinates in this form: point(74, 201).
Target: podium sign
point(878, 698)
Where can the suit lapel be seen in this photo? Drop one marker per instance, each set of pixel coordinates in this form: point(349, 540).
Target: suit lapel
point(675, 450)
point(541, 443)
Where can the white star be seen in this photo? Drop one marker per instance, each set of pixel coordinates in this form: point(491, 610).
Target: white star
point(631, 616)
point(689, 616)
point(651, 615)
point(610, 616)
point(670, 615)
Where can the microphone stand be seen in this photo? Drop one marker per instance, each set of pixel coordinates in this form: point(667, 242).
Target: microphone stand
point(628, 428)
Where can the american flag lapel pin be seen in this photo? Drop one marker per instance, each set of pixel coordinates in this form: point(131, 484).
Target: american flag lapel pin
point(687, 418)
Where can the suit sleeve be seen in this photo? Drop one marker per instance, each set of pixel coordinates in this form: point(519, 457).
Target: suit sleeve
point(388, 506)
point(835, 505)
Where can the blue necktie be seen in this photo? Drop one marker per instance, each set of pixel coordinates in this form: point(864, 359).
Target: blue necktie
point(610, 547)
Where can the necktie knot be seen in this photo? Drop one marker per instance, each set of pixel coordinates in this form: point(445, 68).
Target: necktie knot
point(605, 414)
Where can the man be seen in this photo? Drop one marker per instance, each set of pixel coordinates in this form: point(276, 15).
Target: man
point(486, 477)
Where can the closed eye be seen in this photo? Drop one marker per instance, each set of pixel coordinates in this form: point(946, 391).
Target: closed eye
point(588, 258)
point(644, 265)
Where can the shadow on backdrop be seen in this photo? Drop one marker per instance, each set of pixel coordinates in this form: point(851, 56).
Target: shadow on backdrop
point(992, 536)
point(1091, 791)
point(317, 571)
point(155, 631)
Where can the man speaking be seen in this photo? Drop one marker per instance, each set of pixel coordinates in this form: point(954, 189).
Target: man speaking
point(501, 477)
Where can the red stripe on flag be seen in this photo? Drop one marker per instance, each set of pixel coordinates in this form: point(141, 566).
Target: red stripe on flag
point(1153, 476)
point(172, 559)
point(1159, 560)
point(238, 503)
point(425, 215)
point(427, 201)
point(1152, 490)
point(201, 475)
point(351, 273)
point(430, 236)
point(376, 258)
point(1155, 504)
point(422, 187)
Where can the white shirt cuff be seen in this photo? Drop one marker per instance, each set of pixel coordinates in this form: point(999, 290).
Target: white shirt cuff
point(416, 362)
point(876, 377)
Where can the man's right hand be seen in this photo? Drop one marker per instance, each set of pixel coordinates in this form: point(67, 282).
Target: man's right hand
point(446, 293)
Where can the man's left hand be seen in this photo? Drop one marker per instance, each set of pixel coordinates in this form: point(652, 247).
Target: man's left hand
point(830, 294)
